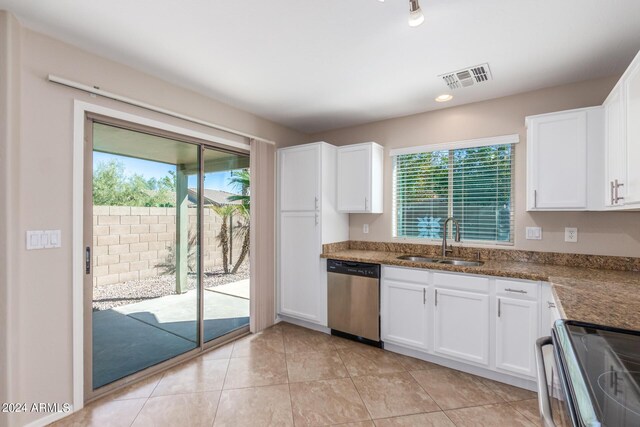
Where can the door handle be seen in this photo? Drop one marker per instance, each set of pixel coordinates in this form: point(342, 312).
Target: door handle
point(87, 260)
point(544, 405)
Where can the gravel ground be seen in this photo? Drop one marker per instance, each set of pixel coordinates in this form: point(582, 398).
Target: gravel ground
point(109, 296)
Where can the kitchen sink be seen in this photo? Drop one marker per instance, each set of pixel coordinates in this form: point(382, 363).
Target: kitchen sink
point(461, 262)
point(418, 258)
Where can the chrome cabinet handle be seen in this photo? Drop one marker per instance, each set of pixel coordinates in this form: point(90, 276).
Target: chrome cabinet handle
point(424, 296)
point(550, 304)
point(317, 219)
point(617, 186)
point(499, 306)
point(544, 405)
point(316, 202)
point(517, 291)
point(613, 199)
point(535, 198)
point(365, 203)
point(436, 299)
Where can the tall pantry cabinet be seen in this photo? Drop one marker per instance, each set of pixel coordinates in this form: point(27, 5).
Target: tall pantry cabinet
point(307, 219)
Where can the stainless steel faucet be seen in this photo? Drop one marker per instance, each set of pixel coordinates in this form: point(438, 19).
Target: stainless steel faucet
point(445, 249)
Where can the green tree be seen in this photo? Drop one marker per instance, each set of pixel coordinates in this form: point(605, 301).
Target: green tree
point(241, 181)
point(112, 187)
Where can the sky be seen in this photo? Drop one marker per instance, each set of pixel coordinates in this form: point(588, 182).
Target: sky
point(149, 169)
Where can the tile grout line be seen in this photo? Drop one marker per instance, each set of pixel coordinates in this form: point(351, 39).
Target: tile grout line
point(226, 372)
point(357, 391)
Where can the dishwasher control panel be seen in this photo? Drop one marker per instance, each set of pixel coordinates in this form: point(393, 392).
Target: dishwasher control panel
point(353, 268)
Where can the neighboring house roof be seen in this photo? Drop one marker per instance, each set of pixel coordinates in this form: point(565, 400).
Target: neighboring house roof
point(213, 197)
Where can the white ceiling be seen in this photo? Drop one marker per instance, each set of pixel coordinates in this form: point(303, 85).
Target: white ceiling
point(321, 64)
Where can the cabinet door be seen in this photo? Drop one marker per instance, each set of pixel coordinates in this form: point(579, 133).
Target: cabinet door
point(461, 325)
point(299, 264)
point(299, 172)
point(354, 178)
point(557, 162)
point(516, 333)
point(404, 314)
point(632, 102)
point(615, 153)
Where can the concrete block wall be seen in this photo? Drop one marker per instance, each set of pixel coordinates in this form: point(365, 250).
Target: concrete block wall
point(131, 243)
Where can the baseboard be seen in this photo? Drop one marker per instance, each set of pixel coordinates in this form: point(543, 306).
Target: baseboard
point(303, 323)
point(464, 367)
point(48, 419)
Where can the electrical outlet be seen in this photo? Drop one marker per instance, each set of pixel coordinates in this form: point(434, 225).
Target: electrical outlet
point(571, 235)
point(365, 228)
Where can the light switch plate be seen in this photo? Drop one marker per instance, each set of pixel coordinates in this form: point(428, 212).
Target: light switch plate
point(52, 239)
point(534, 233)
point(34, 239)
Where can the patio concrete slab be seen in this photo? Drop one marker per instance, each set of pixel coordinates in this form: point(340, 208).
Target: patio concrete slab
point(123, 345)
point(177, 313)
point(236, 289)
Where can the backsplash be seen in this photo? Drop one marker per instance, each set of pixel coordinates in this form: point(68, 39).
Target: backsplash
point(486, 254)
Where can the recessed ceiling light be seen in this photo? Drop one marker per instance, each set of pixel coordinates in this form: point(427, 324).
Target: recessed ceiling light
point(444, 98)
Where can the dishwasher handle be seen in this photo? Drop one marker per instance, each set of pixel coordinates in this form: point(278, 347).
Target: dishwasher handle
point(544, 403)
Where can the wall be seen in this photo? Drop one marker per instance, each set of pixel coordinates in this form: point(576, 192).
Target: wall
point(600, 233)
point(41, 174)
point(131, 243)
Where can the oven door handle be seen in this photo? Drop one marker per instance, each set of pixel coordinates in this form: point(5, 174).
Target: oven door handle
point(544, 403)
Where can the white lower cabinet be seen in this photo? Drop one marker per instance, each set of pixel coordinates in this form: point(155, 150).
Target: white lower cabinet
point(461, 325)
point(451, 315)
point(516, 332)
point(404, 308)
point(300, 284)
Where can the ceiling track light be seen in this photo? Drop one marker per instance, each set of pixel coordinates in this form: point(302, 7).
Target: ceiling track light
point(416, 17)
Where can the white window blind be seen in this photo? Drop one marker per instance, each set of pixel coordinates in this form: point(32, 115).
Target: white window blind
point(472, 184)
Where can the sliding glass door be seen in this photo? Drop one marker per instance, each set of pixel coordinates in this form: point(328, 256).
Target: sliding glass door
point(167, 252)
point(226, 239)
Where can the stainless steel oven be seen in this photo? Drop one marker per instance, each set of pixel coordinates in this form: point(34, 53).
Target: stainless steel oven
point(354, 300)
point(599, 373)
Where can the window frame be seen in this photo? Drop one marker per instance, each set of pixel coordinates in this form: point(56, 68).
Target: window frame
point(511, 140)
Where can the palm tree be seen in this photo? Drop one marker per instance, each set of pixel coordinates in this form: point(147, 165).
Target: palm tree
point(241, 181)
point(224, 211)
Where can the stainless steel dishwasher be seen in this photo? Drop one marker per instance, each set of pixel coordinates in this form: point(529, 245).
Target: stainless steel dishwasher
point(354, 300)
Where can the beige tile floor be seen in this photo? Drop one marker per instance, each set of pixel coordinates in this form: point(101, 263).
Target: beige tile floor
point(291, 376)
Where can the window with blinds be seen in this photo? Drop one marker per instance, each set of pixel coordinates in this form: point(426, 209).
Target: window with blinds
point(473, 185)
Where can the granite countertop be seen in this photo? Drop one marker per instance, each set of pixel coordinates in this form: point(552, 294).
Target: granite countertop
point(594, 295)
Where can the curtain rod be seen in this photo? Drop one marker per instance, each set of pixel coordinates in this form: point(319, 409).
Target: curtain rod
point(124, 99)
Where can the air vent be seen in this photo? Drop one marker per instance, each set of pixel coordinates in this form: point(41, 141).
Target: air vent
point(467, 77)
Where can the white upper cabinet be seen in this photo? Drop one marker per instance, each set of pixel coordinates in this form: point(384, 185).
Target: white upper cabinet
point(300, 178)
point(564, 160)
point(631, 85)
point(615, 153)
point(360, 169)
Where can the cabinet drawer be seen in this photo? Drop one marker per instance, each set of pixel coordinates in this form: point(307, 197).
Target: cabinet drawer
point(406, 274)
point(462, 282)
point(517, 289)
